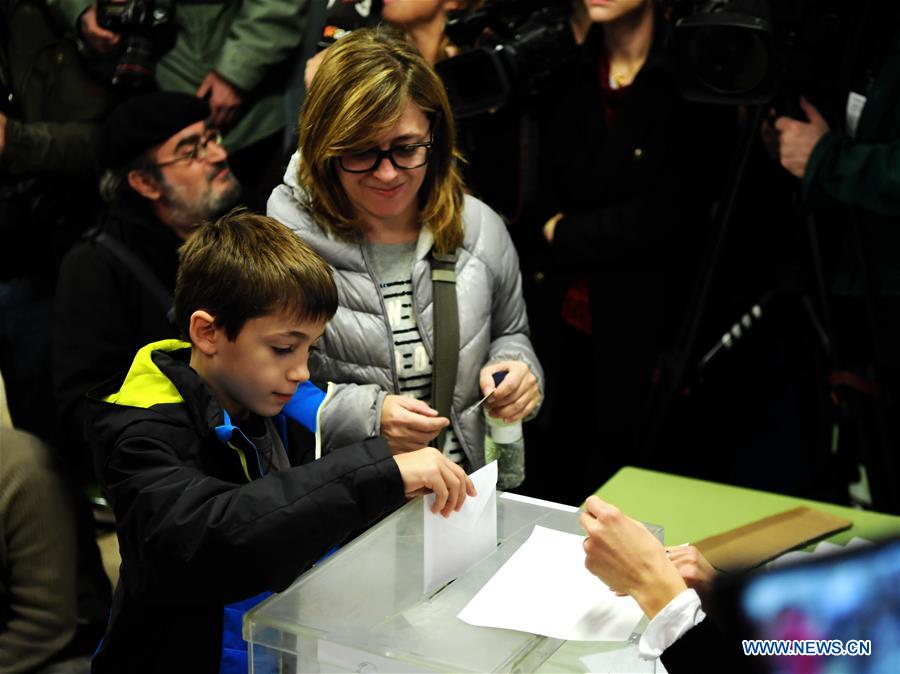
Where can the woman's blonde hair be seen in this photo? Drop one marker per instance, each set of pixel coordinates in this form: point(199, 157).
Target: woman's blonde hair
point(359, 92)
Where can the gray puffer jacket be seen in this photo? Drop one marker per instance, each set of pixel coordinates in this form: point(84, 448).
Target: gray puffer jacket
point(356, 352)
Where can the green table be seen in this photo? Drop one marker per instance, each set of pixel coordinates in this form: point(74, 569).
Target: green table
point(690, 509)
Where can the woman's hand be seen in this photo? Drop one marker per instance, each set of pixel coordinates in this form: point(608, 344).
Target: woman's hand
point(518, 393)
point(624, 554)
point(409, 424)
point(697, 572)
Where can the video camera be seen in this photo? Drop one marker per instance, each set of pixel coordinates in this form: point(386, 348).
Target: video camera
point(509, 49)
point(744, 51)
point(147, 29)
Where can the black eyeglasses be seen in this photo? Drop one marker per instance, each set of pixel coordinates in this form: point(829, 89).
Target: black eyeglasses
point(197, 148)
point(403, 157)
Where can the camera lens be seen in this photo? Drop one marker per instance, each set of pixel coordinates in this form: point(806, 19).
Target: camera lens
point(728, 59)
point(136, 69)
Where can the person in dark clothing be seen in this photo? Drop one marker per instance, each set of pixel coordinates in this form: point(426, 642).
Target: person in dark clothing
point(169, 174)
point(624, 157)
point(850, 180)
point(50, 114)
point(219, 493)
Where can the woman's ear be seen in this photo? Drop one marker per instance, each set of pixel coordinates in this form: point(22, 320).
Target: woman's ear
point(203, 332)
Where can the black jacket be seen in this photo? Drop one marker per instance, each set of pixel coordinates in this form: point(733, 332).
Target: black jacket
point(636, 197)
point(104, 314)
point(194, 532)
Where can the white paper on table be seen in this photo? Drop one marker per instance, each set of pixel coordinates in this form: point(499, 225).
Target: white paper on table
point(455, 544)
point(544, 588)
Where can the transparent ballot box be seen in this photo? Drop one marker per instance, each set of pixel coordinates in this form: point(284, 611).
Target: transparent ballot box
point(363, 609)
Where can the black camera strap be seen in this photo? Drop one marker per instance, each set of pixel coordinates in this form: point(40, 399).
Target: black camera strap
point(148, 280)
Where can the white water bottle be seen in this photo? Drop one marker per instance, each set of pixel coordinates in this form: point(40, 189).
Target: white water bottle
point(505, 443)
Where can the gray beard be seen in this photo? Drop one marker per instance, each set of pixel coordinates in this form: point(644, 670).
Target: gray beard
point(194, 210)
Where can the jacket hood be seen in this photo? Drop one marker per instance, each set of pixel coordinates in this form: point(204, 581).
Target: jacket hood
point(161, 379)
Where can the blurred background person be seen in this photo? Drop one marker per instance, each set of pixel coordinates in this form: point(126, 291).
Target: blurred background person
point(626, 162)
point(235, 54)
point(40, 630)
point(848, 166)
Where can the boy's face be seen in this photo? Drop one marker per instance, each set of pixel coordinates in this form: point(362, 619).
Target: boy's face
point(260, 370)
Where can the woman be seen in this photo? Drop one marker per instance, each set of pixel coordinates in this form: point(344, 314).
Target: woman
point(624, 163)
point(374, 188)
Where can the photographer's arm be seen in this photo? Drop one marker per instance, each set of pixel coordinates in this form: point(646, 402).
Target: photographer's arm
point(47, 148)
point(80, 18)
point(261, 35)
point(862, 175)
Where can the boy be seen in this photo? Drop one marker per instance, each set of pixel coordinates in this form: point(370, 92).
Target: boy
point(204, 470)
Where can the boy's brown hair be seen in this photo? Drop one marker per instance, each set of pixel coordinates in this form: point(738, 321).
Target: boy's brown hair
point(245, 265)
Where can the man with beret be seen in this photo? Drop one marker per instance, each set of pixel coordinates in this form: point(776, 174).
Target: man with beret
point(166, 173)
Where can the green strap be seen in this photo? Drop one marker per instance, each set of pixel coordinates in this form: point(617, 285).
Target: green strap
point(446, 334)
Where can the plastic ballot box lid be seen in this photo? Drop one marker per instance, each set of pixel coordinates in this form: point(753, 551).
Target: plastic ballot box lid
point(363, 609)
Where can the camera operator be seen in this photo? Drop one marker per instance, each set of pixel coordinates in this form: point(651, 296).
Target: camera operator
point(627, 164)
point(230, 52)
point(850, 171)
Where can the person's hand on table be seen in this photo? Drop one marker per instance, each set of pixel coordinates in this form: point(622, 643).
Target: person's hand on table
point(697, 572)
point(627, 557)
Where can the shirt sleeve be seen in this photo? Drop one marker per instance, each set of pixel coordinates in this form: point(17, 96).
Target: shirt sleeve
point(670, 624)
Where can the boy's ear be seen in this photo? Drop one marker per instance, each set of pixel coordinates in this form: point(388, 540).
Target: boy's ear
point(144, 184)
point(204, 332)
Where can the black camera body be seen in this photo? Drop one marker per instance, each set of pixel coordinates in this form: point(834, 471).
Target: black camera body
point(509, 49)
point(147, 28)
point(751, 51)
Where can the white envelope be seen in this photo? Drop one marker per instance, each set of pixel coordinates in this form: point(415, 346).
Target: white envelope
point(455, 544)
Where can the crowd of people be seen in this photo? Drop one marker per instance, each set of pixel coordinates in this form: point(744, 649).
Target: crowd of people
point(240, 339)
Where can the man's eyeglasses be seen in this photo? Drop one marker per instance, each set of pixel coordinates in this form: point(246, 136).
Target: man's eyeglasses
point(403, 157)
point(195, 149)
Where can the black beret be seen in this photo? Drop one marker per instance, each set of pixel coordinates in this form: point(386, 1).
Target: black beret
point(144, 121)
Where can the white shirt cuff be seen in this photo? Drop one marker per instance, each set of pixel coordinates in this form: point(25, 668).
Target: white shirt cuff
point(670, 624)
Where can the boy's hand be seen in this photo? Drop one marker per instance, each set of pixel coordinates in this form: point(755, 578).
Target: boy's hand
point(409, 424)
point(427, 470)
point(518, 393)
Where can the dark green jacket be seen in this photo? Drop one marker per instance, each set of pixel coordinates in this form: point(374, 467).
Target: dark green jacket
point(242, 40)
point(863, 174)
point(56, 105)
